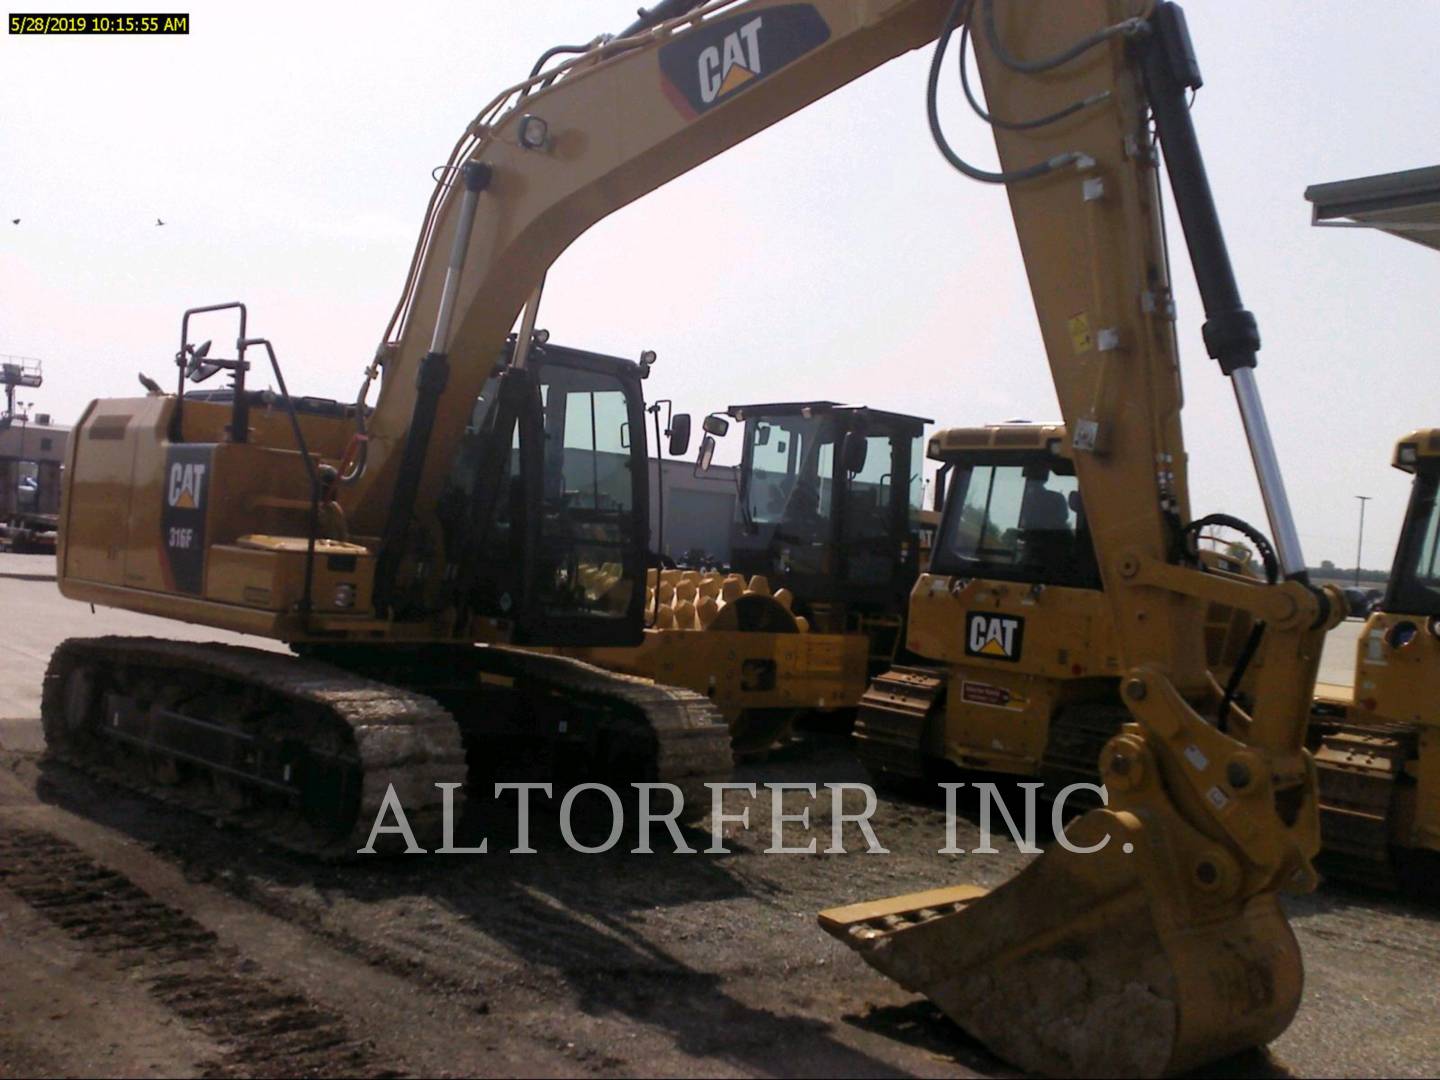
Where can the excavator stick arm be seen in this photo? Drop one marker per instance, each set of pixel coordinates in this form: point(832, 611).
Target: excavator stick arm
point(1162, 945)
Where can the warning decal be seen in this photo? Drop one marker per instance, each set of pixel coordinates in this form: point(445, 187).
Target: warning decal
point(991, 696)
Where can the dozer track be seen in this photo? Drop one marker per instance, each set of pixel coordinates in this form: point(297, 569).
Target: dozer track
point(1078, 734)
point(890, 730)
point(890, 723)
point(1361, 770)
point(296, 751)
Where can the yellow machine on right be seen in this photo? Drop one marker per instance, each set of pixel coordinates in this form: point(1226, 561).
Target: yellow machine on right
point(1377, 744)
point(1018, 665)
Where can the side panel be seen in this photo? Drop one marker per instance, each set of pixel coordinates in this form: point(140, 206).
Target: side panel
point(96, 509)
point(1398, 683)
point(748, 670)
point(143, 519)
point(1397, 678)
point(1055, 632)
point(998, 719)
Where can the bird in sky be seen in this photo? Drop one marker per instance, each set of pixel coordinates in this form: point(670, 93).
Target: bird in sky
point(14, 221)
point(159, 222)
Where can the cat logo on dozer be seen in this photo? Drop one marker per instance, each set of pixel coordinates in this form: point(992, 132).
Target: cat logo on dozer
point(994, 637)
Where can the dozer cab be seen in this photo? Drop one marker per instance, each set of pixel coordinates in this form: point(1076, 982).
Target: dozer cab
point(824, 548)
point(1015, 667)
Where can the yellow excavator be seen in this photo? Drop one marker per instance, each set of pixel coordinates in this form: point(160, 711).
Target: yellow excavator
point(823, 552)
point(489, 499)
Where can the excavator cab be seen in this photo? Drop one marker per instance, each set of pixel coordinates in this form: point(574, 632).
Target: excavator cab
point(829, 496)
point(547, 500)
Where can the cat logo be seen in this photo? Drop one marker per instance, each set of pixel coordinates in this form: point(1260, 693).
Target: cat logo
point(994, 637)
point(706, 65)
point(726, 67)
point(187, 486)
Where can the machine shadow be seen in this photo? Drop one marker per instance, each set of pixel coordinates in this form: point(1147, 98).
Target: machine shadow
point(921, 1025)
point(578, 919)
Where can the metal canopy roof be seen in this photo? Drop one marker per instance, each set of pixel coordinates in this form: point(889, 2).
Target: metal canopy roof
point(1404, 204)
point(797, 408)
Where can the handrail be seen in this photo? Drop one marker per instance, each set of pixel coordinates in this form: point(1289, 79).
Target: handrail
point(306, 602)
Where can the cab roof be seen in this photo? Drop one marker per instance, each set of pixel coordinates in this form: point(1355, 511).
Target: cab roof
point(1422, 443)
point(799, 408)
point(951, 442)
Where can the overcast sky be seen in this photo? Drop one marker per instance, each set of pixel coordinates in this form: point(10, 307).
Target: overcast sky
point(288, 148)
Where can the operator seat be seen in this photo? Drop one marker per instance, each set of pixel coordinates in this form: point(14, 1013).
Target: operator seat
point(1046, 540)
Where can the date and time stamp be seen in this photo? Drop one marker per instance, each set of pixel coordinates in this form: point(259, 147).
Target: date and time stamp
point(127, 23)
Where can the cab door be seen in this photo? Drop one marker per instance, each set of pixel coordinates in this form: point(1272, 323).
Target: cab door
point(874, 527)
point(588, 512)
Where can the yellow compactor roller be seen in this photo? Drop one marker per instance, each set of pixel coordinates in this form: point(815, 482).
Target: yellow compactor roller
point(745, 647)
point(825, 547)
point(403, 550)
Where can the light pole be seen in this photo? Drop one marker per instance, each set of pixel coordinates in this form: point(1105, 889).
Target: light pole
point(1360, 542)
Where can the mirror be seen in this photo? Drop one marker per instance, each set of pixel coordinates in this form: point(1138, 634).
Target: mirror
point(707, 452)
point(853, 451)
point(762, 436)
point(679, 434)
point(716, 425)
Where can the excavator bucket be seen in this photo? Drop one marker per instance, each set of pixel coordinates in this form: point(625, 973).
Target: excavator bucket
point(1085, 964)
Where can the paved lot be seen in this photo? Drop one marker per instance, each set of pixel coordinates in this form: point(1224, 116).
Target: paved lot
point(34, 618)
point(1337, 665)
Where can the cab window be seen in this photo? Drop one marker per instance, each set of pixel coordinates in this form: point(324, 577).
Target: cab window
point(1016, 522)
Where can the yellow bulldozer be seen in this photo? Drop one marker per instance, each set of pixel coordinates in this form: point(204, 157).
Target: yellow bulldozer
point(1016, 666)
point(1377, 741)
point(824, 547)
point(491, 498)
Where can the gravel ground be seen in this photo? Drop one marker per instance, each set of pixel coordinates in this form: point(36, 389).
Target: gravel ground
point(138, 941)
